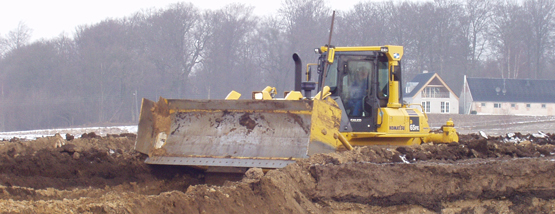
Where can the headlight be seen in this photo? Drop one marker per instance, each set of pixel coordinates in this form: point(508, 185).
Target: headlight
point(384, 49)
point(257, 95)
point(317, 50)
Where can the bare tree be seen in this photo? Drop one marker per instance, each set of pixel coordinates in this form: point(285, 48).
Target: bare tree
point(366, 24)
point(507, 36)
point(35, 86)
point(97, 75)
point(110, 65)
point(3, 46)
point(228, 63)
point(539, 16)
point(436, 38)
point(273, 55)
point(447, 56)
point(307, 24)
point(175, 42)
point(421, 35)
point(477, 14)
point(19, 36)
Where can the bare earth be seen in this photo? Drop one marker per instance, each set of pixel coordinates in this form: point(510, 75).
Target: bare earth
point(94, 174)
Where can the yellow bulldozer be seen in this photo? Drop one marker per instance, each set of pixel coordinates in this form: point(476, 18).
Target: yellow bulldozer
point(357, 103)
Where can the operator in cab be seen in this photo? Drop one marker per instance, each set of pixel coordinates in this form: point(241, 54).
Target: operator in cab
point(357, 91)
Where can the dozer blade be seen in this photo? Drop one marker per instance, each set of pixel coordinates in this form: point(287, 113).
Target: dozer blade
point(236, 133)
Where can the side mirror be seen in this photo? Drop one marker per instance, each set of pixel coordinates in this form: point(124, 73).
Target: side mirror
point(331, 55)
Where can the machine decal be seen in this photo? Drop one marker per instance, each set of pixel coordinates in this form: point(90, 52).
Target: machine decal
point(401, 128)
point(414, 124)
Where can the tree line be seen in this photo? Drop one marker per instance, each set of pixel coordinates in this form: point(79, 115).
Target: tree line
point(99, 74)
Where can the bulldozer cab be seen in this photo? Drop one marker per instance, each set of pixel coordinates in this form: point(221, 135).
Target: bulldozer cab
point(359, 81)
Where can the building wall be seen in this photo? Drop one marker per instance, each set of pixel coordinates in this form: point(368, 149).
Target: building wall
point(435, 103)
point(535, 109)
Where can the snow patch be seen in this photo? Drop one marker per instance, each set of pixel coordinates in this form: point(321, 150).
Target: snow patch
point(404, 158)
point(511, 138)
point(483, 134)
point(34, 134)
point(540, 134)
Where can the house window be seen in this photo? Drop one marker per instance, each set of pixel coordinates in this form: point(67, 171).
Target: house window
point(483, 104)
point(444, 107)
point(513, 105)
point(543, 105)
point(497, 105)
point(426, 106)
point(435, 92)
point(528, 105)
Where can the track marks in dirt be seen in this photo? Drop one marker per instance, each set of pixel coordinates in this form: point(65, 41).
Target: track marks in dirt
point(104, 174)
point(430, 184)
point(85, 162)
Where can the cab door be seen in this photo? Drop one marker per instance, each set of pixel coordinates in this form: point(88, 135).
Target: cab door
point(356, 82)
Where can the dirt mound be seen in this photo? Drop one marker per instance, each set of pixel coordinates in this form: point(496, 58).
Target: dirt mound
point(508, 174)
point(87, 162)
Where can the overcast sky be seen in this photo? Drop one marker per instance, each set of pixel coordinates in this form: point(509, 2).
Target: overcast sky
point(49, 18)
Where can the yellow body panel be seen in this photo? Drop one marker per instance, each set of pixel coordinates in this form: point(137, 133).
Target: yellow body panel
point(233, 95)
point(326, 116)
point(403, 120)
point(397, 126)
point(294, 95)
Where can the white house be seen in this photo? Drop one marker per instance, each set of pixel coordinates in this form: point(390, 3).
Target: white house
point(429, 90)
point(497, 96)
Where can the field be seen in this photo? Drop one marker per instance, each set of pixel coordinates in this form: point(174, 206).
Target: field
point(510, 171)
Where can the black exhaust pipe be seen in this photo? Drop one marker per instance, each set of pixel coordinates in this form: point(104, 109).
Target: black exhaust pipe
point(298, 71)
point(306, 86)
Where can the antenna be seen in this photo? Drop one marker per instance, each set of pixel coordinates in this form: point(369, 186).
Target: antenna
point(327, 63)
point(331, 28)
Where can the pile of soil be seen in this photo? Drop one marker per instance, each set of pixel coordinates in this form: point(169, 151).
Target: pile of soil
point(93, 174)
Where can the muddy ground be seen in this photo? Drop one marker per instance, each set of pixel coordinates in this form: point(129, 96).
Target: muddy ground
point(93, 174)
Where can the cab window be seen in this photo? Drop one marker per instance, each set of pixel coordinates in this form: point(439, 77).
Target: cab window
point(331, 76)
point(383, 79)
point(355, 86)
